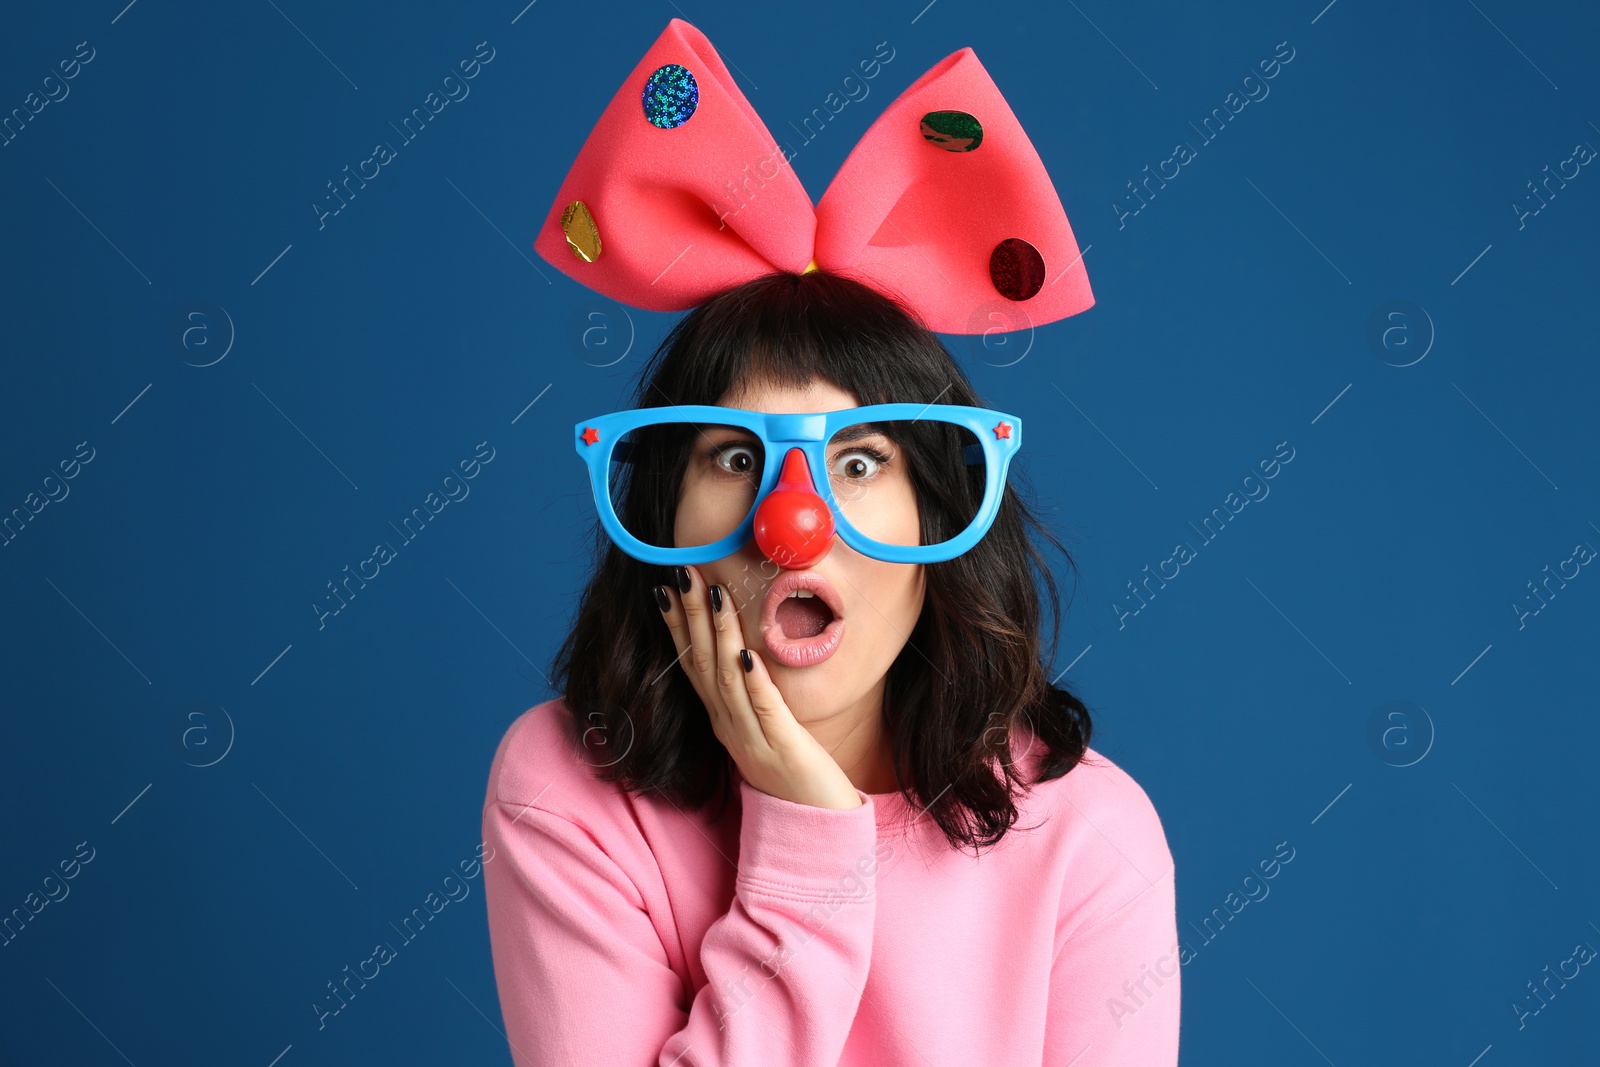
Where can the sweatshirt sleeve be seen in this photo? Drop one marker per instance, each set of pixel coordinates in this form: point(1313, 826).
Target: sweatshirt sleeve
point(1114, 986)
point(583, 977)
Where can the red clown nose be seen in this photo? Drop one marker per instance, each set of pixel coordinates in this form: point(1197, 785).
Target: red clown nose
point(793, 525)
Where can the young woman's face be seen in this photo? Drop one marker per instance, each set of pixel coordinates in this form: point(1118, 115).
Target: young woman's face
point(880, 601)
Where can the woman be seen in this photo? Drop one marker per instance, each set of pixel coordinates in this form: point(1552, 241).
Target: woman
point(741, 836)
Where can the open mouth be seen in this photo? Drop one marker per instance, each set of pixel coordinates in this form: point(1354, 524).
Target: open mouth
point(803, 614)
point(802, 619)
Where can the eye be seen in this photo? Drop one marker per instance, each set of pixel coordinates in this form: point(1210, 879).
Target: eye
point(736, 457)
point(859, 464)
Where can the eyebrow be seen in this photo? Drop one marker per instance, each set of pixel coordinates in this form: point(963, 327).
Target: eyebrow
point(849, 434)
point(857, 432)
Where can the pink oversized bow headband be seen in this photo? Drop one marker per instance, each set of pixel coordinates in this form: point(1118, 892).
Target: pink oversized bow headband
point(944, 204)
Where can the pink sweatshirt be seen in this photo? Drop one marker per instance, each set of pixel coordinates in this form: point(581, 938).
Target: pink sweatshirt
point(627, 932)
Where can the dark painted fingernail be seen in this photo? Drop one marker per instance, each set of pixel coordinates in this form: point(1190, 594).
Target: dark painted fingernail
point(746, 661)
point(684, 585)
point(663, 601)
point(716, 599)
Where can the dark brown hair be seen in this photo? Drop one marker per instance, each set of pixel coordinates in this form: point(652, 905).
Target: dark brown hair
point(970, 679)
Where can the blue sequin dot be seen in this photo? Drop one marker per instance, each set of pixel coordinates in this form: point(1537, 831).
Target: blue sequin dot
point(670, 96)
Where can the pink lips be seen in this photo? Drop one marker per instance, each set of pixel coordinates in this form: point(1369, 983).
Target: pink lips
point(802, 651)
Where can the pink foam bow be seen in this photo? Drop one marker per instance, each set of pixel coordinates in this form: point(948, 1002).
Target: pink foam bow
point(680, 192)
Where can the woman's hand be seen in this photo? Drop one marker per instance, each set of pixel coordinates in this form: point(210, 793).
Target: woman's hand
point(774, 753)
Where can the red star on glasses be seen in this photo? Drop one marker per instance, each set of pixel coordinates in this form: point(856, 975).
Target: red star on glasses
point(1003, 430)
point(590, 435)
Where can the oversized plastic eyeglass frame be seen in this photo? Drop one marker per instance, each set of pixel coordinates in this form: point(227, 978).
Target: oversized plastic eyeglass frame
point(999, 436)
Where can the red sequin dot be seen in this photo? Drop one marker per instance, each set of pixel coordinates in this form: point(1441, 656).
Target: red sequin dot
point(1016, 268)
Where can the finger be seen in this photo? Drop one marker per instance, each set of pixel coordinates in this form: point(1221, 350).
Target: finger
point(678, 627)
point(701, 662)
point(771, 712)
point(730, 673)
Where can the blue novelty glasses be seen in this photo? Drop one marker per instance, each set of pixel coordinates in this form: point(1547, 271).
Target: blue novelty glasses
point(903, 483)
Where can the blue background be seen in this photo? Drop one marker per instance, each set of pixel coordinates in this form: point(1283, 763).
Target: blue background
point(159, 616)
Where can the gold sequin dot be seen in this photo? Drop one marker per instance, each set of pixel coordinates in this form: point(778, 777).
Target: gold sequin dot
point(583, 237)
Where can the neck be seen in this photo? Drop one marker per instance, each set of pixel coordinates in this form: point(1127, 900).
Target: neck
point(856, 739)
